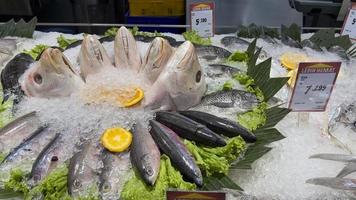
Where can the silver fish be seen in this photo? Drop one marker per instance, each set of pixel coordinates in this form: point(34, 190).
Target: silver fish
point(145, 155)
point(126, 51)
point(156, 58)
point(26, 153)
point(51, 76)
point(92, 56)
point(83, 172)
point(111, 178)
point(17, 131)
point(7, 48)
point(212, 54)
point(181, 84)
point(342, 126)
point(335, 183)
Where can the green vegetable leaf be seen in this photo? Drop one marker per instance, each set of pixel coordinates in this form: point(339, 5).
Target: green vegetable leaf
point(326, 38)
point(17, 181)
point(194, 37)
point(9, 194)
point(135, 31)
point(219, 181)
point(274, 115)
point(19, 29)
point(65, 42)
point(293, 32)
point(238, 56)
point(36, 51)
point(254, 31)
point(253, 119)
point(253, 153)
point(168, 177)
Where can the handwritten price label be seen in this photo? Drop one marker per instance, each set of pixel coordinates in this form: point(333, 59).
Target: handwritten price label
point(349, 27)
point(315, 82)
point(202, 18)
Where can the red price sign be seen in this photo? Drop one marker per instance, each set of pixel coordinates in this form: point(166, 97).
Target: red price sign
point(314, 84)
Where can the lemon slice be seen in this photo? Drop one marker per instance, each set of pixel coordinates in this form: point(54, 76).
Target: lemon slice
point(130, 97)
point(116, 139)
point(292, 77)
point(290, 60)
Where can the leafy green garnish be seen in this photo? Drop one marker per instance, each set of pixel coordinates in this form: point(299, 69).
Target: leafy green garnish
point(54, 186)
point(218, 159)
point(238, 56)
point(254, 31)
point(195, 38)
point(37, 50)
point(64, 42)
point(135, 31)
point(17, 181)
point(168, 177)
point(255, 118)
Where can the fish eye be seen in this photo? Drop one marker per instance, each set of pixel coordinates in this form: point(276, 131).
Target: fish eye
point(198, 76)
point(77, 183)
point(38, 79)
point(106, 187)
point(149, 171)
point(354, 123)
point(54, 158)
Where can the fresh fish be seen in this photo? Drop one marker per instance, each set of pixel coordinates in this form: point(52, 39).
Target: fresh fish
point(50, 157)
point(156, 58)
point(145, 155)
point(92, 57)
point(335, 183)
point(25, 154)
point(148, 39)
point(189, 129)
point(217, 70)
point(171, 145)
point(10, 75)
point(51, 76)
point(18, 131)
point(237, 44)
point(350, 161)
point(211, 53)
point(181, 84)
point(7, 47)
point(220, 125)
point(126, 51)
point(53, 47)
point(83, 175)
point(238, 99)
point(342, 126)
point(111, 177)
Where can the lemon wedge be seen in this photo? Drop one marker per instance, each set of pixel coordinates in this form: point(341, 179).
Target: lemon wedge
point(292, 77)
point(291, 60)
point(131, 97)
point(116, 139)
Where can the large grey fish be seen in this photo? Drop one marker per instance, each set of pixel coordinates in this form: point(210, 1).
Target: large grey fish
point(92, 57)
point(211, 53)
point(217, 70)
point(335, 183)
point(112, 175)
point(156, 58)
point(24, 155)
point(145, 155)
point(18, 131)
point(126, 51)
point(51, 76)
point(10, 75)
point(83, 172)
point(170, 144)
point(342, 126)
point(181, 84)
point(189, 129)
point(237, 99)
point(220, 125)
point(237, 44)
point(350, 161)
point(50, 157)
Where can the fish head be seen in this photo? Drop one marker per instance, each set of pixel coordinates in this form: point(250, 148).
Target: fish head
point(156, 58)
point(92, 56)
point(185, 79)
point(126, 51)
point(51, 76)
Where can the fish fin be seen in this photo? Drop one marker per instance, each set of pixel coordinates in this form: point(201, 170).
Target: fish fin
point(335, 157)
point(348, 169)
point(336, 183)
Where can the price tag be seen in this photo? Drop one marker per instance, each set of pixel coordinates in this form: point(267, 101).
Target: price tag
point(202, 18)
point(195, 195)
point(313, 86)
point(349, 27)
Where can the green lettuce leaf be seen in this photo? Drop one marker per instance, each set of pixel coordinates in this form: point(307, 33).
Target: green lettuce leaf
point(64, 42)
point(255, 118)
point(135, 31)
point(195, 38)
point(238, 56)
point(168, 177)
point(17, 181)
point(218, 159)
point(37, 50)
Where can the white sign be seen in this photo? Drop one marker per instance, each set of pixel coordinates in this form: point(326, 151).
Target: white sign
point(202, 18)
point(349, 27)
point(314, 84)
